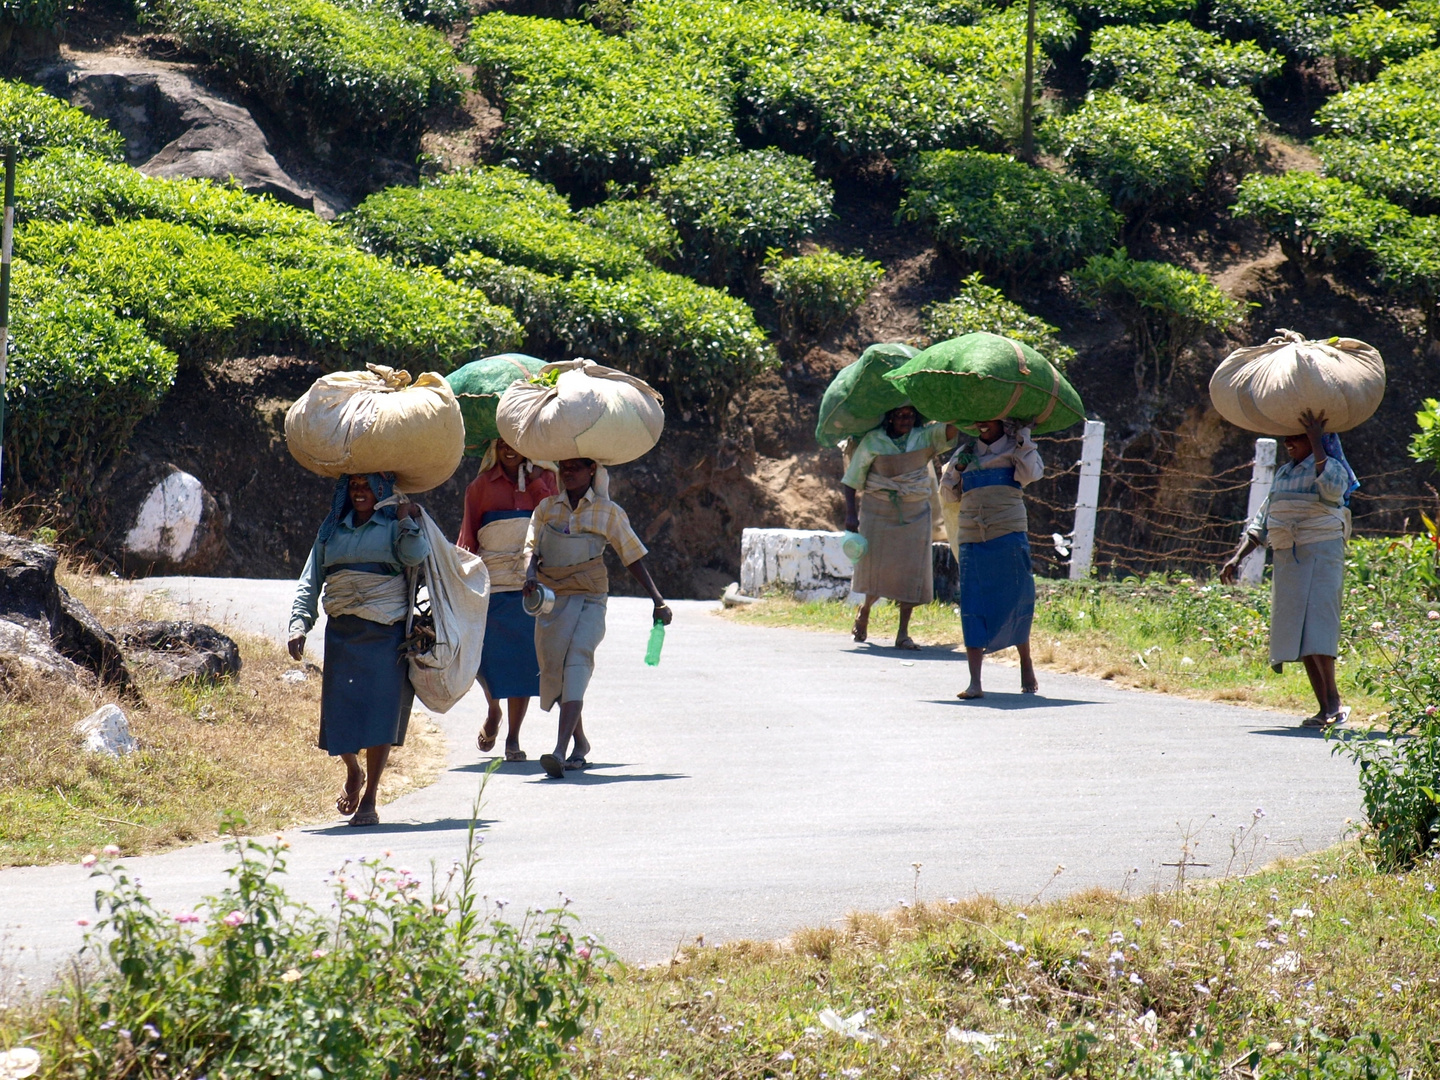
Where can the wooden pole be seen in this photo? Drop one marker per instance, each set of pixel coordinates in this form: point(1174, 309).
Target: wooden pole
point(7, 237)
point(1027, 125)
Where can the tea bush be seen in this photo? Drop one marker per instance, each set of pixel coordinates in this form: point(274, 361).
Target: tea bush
point(441, 14)
point(365, 73)
point(46, 16)
point(1298, 28)
point(1367, 41)
point(730, 210)
point(697, 345)
point(1164, 308)
point(80, 378)
point(636, 223)
point(1148, 156)
point(496, 211)
point(978, 308)
point(582, 108)
point(815, 292)
point(1146, 61)
point(893, 13)
point(1130, 12)
point(36, 122)
point(1408, 262)
point(402, 981)
point(1003, 217)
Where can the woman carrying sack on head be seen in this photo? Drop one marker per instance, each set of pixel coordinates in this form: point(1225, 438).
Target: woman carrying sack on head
point(997, 583)
point(360, 556)
point(566, 547)
point(498, 505)
point(1306, 521)
point(889, 476)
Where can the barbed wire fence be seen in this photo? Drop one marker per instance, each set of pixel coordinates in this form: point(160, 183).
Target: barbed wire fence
point(1157, 514)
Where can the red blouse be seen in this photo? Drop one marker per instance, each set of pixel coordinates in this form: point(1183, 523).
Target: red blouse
point(493, 490)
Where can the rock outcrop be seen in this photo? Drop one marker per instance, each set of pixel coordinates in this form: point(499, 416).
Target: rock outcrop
point(177, 651)
point(43, 629)
point(164, 521)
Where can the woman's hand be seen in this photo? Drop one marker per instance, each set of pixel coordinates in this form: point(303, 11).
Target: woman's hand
point(409, 510)
point(663, 614)
point(1314, 426)
point(852, 522)
point(296, 645)
point(1229, 570)
point(531, 584)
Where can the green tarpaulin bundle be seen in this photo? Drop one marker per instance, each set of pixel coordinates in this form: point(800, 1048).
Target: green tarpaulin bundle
point(988, 377)
point(478, 385)
point(859, 396)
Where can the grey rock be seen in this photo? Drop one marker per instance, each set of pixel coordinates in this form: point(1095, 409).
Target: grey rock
point(181, 650)
point(45, 628)
point(173, 125)
point(165, 520)
point(107, 731)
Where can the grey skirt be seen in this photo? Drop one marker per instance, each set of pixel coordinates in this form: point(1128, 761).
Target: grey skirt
point(365, 695)
point(1305, 601)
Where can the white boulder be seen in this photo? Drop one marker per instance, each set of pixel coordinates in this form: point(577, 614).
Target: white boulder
point(107, 731)
point(807, 562)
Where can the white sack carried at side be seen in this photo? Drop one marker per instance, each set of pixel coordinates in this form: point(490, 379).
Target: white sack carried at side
point(377, 420)
point(459, 589)
point(591, 412)
point(1265, 388)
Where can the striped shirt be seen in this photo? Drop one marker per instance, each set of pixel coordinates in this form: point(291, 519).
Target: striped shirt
point(1298, 478)
point(593, 515)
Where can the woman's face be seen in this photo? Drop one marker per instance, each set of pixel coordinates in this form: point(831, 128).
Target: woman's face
point(362, 498)
point(577, 474)
point(507, 455)
point(901, 421)
point(1298, 447)
point(990, 430)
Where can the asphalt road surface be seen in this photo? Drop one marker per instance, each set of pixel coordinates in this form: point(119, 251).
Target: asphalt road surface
point(760, 780)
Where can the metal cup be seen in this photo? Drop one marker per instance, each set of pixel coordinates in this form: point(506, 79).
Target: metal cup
point(539, 602)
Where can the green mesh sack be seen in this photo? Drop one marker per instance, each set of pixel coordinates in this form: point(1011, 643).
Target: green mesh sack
point(479, 385)
point(988, 377)
point(859, 396)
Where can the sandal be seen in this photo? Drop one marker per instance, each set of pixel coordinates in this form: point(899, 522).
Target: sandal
point(576, 763)
point(907, 643)
point(363, 818)
point(553, 766)
point(346, 796)
point(515, 755)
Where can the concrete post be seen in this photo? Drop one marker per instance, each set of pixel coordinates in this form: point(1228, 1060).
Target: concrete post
point(1087, 500)
point(1262, 477)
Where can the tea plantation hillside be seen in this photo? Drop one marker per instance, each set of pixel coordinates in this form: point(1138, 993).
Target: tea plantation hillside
point(728, 199)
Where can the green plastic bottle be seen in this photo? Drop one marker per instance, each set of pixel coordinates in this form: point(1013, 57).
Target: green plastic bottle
point(657, 641)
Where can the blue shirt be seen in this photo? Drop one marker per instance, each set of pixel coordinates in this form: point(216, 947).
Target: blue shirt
point(1298, 478)
point(394, 544)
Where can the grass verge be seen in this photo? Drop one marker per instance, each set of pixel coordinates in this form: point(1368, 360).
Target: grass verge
point(245, 745)
point(1179, 637)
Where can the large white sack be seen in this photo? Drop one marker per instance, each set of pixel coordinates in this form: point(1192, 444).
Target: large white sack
point(1265, 388)
point(591, 412)
point(459, 588)
point(377, 420)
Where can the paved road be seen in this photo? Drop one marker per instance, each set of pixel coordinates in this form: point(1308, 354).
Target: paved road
point(764, 779)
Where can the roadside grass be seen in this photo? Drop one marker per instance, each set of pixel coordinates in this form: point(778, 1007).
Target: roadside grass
point(245, 745)
point(1289, 962)
point(1175, 636)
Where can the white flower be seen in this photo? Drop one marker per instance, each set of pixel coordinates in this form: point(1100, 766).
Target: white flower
point(982, 1042)
point(1302, 913)
point(849, 1027)
point(1286, 961)
point(1263, 944)
point(291, 975)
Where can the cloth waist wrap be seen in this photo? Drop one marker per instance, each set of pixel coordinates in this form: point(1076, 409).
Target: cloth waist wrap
point(1301, 518)
point(990, 508)
point(902, 478)
point(381, 598)
point(502, 545)
point(573, 564)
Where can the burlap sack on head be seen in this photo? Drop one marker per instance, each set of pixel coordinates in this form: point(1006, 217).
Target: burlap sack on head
point(590, 411)
point(479, 385)
point(859, 396)
point(377, 420)
point(1265, 388)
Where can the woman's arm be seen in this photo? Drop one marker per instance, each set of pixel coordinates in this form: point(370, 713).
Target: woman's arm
point(1026, 459)
point(1248, 543)
point(852, 514)
point(469, 523)
point(411, 543)
point(306, 608)
point(641, 573)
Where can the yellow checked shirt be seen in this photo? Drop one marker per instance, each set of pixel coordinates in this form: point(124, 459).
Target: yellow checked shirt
point(593, 515)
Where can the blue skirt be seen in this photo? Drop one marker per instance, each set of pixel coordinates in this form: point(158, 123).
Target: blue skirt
point(365, 693)
point(508, 666)
point(997, 592)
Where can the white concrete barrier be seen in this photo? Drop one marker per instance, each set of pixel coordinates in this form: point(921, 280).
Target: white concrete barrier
point(806, 562)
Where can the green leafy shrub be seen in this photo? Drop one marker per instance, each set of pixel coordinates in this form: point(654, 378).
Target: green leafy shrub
point(45, 16)
point(1129, 12)
point(36, 122)
point(1298, 28)
point(1151, 155)
point(636, 223)
point(582, 108)
point(730, 210)
point(1317, 220)
point(1147, 61)
point(815, 292)
point(441, 14)
point(1004, 217)
point(1405, 172)
point(1408, 262)
point(367, 74)
point(401, 981)
point(1164, 308)
point(80, 379)
point(1368, 40)
point(696, 344)
point(894, 13)
point(981, 308)
point(496, 211)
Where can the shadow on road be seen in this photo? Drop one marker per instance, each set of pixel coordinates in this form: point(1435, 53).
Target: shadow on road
point(1343, 735)
point(590, 778)
point(1011, 702)
point(442, 825)
point(948, 652)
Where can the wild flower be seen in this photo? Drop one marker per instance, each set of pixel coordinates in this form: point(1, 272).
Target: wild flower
point(111, 851)
point(234, 919)
point(186, 917)
point(291, 975)
point(88, 861)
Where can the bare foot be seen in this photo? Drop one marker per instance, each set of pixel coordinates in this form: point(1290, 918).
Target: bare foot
point(861, 630)
point(582, 748)
point(350, 797)
point(970, 693)
point(488, 733)
point(907, 643)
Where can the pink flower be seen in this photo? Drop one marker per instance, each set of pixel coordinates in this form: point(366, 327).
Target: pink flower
point(82, 922)
point(89, 861)
point(351, 894)
point(583, 952)
point(187, 917)
point(234, 919)
point(1430, 710)
point(111, 850)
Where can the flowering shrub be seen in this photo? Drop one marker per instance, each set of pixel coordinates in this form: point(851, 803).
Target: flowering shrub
point(979, 307)
point(816, 291)
point(405, 980)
